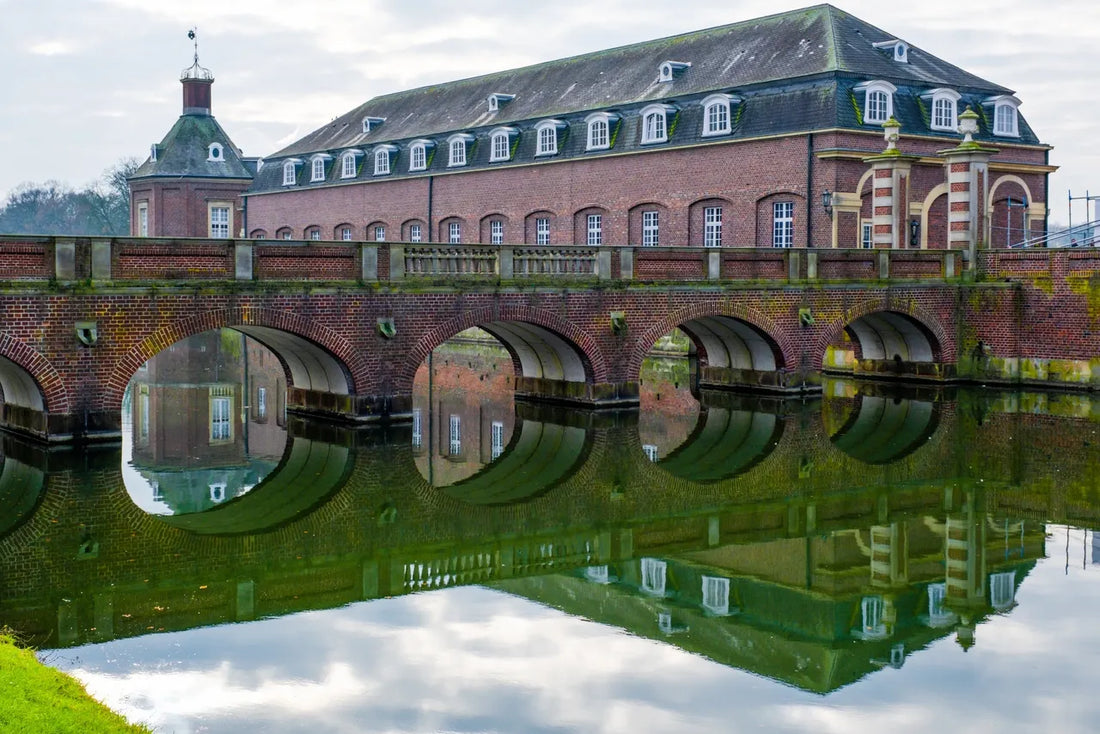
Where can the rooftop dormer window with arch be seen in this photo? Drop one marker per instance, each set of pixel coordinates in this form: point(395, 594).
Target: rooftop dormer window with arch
point(878, 101)
point(898, 50)
point(370, 123)
point(1005, 115)
point(457, 146)
point(547, 132)
point(717, 118)
point(669, 70)
point(655, 123)
point(498, 100)
point(349, 163)
point(419, 152)
point(944, 113)
point(215, 153)
point(290, 171)
point(317, 166)
point(383, 159)
point(601, 127)
point(500, 143)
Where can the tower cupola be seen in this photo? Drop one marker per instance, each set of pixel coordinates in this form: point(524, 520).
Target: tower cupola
point(196, 81)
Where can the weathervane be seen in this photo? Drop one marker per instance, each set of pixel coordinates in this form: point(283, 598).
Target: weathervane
point(196, 72)
point(194, 37)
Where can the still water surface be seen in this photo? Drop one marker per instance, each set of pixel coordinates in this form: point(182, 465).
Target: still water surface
point(908, 562)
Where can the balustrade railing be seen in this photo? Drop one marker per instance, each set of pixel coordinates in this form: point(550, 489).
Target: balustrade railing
point(450, 260)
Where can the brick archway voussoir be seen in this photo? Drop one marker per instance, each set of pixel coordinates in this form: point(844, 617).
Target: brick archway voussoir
point(55, 394)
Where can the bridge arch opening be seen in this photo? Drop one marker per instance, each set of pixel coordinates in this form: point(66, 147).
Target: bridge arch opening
point(881, 429)
point(18, 387)
point(885, 343)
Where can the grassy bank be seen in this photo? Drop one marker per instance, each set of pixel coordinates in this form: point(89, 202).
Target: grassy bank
point(36, 698)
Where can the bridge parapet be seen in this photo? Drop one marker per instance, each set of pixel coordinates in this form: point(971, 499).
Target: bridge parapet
point(1031, 264)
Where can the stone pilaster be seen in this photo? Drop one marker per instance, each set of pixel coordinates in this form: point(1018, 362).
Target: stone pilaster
point(967, 168)
point(890, 190)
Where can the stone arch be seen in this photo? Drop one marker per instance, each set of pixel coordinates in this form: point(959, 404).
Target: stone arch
point(580, 224)
point(485, 228)
point(258, 234)
point(530, 225)
point(998, 234)
point(635, 227)
point(537, 340)
point(863, 181)
point(316, 357)
point(926, 208)
point(29, 380)
point(378, 228)
point(727, 323)
point(914, 327)
point(445, 230)
point(407, 230)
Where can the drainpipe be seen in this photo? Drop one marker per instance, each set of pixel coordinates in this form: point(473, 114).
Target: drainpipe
point(244, 216)
point(431, 182)
point(1046, 198)
point(809, 189)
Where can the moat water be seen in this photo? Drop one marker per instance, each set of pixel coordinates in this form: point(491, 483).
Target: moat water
point(874, 558)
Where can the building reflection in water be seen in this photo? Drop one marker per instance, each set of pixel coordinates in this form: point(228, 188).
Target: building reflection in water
point(207, 421)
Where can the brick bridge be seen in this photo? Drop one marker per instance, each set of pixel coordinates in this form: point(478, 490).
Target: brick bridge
point(81, 562)
point(351, 322)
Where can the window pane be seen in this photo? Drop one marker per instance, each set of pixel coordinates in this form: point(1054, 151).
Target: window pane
point(712, 226)
point(542, 231)
point(650, 229)
point(783, 224)
point(454, 230)
point(595, 229)
point(414, 233)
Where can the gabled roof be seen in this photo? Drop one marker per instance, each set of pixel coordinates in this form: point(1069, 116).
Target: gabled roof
point(186, 148)
point(796, 45)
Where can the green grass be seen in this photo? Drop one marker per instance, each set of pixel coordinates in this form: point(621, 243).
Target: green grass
point(36, 698)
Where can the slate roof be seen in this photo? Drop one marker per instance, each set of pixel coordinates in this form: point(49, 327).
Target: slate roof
point(794, 71)
point(185, 149)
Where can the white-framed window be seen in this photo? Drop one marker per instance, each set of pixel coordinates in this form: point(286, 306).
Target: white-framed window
point(496, 232)
point(867, 235)
point(650, 451)
point(345, 233)
point(455, 426)
point(143, 219)
point(878, 101)
point(500, 143)
point(783, 224)
point(943, 114)
point(315, 234)
point(1005, 116)
point(712, 226)
point(215, 153)
point(379, 233)
point(1002, 589)
point(599, 130)
point(872, 610)
point(369, 123)
point(654, 572)
point(418, 429)
point(498, 100)
point(317, 169)
point(418, 155)
point(414, 233)
point(716, 114)
point(261, 402)
point(594, 230)
point(655, 124)
point(716, 595)
point(290, 173)
point(547, 131)
point(287, 234)
point(381, 161)
point(651, 229)
point(496, 440)
point(456, 145)
point(221, 412)
point(347, 165)
point(542, 231)
point(454, 233)
point(220, 219)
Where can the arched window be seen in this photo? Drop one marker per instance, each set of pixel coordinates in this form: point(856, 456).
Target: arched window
point(655, 124)
point(600, 128)
point(383, 157)
point(944, 109)
point(716, 114)
point(317, 168)
point(290, 172)
point(348, 163)
point(878, 101)
point(547, 131)
point(284, 233)
point(457, 147)
point(1005, 115)
point(500, 143)
point(418, 154)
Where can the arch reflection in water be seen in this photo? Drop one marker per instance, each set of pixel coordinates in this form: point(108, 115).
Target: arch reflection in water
point(203, 422)
point(22, 483)
point(880, 429)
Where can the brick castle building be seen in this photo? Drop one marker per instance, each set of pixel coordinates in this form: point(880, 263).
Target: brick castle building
point(762, 133)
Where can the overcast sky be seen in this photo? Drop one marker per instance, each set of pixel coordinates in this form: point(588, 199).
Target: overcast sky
point(88, 83)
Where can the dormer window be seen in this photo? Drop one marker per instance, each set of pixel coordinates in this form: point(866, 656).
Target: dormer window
point(498, 100)
point(1005, 115)
point(878, 101)
point(717, 119)
point(370, 123)
point(349, 163)
point(898, 50)
point(290, 171)
point(383, 158)
point(547, 132)
point(500, 143)
point(457, 147)
point(317, 166)
point(418, 154)
point(944, 109)
point(655, 123)
point(669, 70)
point(215, 153)
point(153, 152)
point(601, 126)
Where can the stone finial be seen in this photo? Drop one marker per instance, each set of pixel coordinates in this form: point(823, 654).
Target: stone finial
point(968, 125)
point(891, 131)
